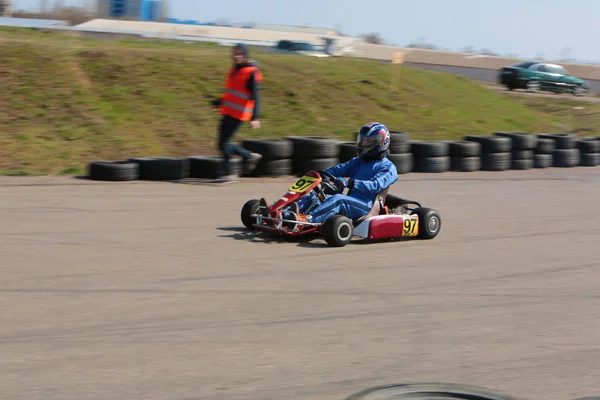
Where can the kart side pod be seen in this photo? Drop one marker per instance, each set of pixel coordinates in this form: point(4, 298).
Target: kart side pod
point(422, 222)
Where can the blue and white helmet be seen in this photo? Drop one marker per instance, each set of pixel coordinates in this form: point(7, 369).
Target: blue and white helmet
point(373, 139)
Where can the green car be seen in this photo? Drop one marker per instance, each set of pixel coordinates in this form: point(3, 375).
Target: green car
point(536, 76)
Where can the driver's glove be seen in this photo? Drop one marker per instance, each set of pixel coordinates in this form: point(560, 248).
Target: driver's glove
point(341, 183)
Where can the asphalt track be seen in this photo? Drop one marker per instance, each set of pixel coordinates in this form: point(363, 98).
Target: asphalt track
point(147, 290)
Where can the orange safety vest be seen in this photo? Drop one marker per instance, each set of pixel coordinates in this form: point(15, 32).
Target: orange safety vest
point(236, 101)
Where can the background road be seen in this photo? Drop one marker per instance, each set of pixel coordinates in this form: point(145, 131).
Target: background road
point(152, 291)
point(486, 75)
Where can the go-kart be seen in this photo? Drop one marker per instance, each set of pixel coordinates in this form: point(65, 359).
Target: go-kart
point(389, 218)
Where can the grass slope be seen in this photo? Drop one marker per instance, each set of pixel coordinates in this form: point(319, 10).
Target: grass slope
point(67, 100)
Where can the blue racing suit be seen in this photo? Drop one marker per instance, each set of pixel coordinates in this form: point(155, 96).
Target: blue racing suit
point(367, 179)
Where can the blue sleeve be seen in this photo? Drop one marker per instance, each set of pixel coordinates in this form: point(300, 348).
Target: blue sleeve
point(342, 170)
point(386, 176)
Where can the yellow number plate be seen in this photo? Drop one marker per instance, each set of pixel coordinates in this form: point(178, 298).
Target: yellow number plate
point(302, 184)
point(411, 227)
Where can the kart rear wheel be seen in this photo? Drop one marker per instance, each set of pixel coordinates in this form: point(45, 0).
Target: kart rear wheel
point(251, 207)
point(430, 222)
point(337, 231)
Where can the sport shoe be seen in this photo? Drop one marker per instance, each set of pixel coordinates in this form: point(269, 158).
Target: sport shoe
point(251, 163)
point(263, 204)
point(227, 179)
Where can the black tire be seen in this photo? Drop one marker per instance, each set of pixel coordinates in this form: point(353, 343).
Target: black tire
point(588, 398)
point(337, 230)
point(589, 145)
point(561, 140)
point(521, 141)
point(347, 151)
point(273, 168)
point(277, 149)
point(464, 148)
point(303, 165)
point(427, 391)
point(403, 162)
point(212, 167)
point(521, 164)
point(248, 209)
point(545, 146)
point(522, 154)
point(309, 147)
point(491, 144)
point(162, 168)
point(422, 149)
point(431, 164)
point(465, 164)
point(399, 142)
point(590, 159)
point(495, 161)
point(113, 171)
point(542, 160)
point(430, 222)
point(566, 158)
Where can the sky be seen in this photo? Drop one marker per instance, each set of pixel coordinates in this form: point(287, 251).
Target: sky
point(552, 29)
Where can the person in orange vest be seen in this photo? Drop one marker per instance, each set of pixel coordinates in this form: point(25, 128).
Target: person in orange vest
point(238, 104)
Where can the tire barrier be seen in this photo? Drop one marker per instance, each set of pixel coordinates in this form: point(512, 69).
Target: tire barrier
point(590, 152)
point(162, 168)
point(277, 157)
point(347, 151)
point(495, 152)
point(565, 153)
point(543, 153)
point(522, 148)
point(297, 154)
point(113, 171)
point(465, 156)
point(431, 157)
point(313, 152)
point(212, 167)
point(400, 152)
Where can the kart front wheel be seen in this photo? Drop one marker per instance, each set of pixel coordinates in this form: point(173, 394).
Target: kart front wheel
point(337, 231)
point(430, 222)
point(250, 208)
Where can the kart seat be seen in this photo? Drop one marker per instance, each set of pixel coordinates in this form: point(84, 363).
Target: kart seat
point(378, 206)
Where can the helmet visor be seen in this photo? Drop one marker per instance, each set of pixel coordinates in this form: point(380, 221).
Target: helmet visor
point(365, 142)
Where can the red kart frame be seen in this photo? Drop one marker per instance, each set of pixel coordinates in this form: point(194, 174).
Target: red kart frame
point(389, 218)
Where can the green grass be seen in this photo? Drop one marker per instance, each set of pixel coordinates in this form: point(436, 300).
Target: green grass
point(66, 101)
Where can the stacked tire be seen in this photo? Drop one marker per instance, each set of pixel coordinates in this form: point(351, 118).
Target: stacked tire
point(113, 171)
point(400, 152)
point(277, 157)
point(313, 153)
point(431, 156)
point(465, 156)
point(522, 149)
point(543, 154)
point(347, 151)
point(590, 151)
point(162, 168)
point(213, 167)
point(495, 151)
point(565, 154)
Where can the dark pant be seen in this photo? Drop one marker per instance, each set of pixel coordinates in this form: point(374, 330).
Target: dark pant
point(229, 126)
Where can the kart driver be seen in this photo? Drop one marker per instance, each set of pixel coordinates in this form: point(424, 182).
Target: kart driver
point(365, 176)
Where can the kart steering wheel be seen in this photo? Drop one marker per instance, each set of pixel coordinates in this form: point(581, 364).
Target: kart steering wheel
point(327, 174)
point(328, 182)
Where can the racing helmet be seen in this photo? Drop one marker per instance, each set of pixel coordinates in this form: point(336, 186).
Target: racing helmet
point(373, 140)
